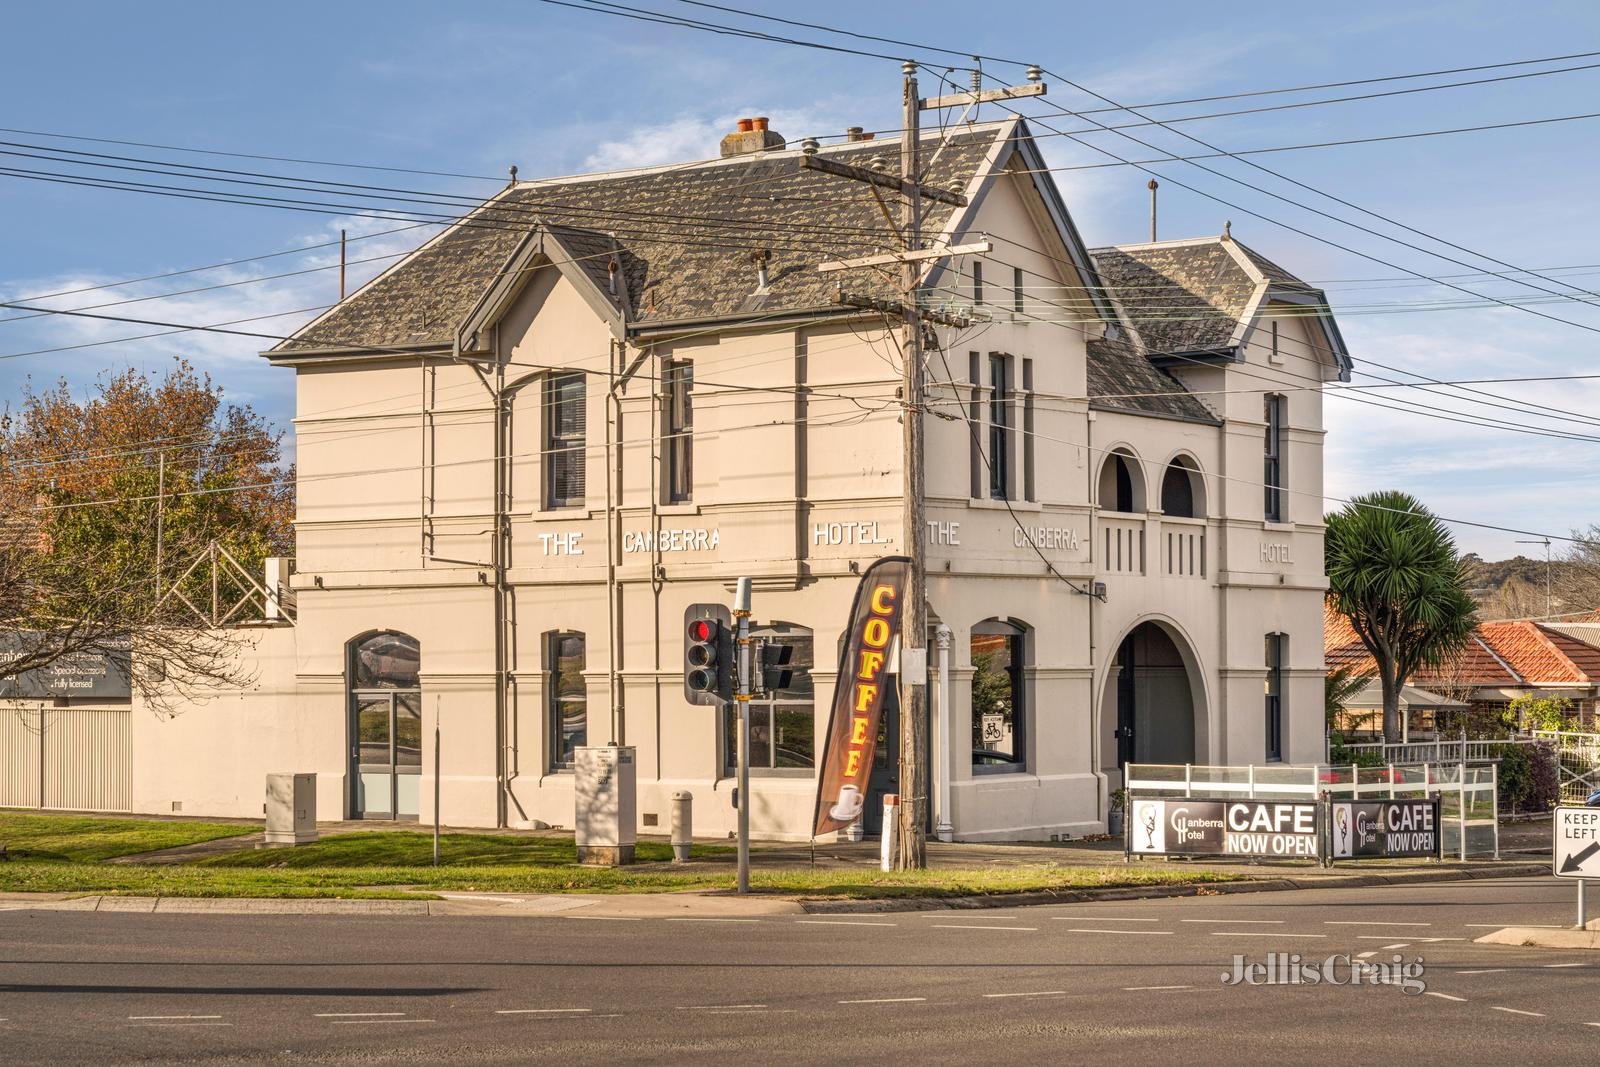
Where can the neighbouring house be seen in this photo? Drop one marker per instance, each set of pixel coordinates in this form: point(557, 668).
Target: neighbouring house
point(525, 449)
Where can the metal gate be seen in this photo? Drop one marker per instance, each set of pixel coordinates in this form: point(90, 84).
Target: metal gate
point(66, 759)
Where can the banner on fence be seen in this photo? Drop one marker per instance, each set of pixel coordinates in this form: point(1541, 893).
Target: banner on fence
point(1377, 829)
point(1224, 828)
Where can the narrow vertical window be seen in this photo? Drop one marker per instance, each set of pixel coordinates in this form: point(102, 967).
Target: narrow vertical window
point(1277, 356)
point(1273, 475)
point(999, 712)
point(1016, 290)
point(975, 424)
point(1274, 696)
point(565, 422)
point(566, 697)
point(677, 435)
point(1029, 490)
point(977, 282)
point(999, 427)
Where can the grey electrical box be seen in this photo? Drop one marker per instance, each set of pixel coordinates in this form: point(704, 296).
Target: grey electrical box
point(604, 795)
point(291, 809)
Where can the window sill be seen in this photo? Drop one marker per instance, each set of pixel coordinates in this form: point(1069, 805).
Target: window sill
point(1278, 527)
point(677, 509)
point(562, 514)
point(986, 771)
point(1000, 505)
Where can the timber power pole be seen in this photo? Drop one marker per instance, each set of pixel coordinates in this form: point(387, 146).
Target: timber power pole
point(915, 769)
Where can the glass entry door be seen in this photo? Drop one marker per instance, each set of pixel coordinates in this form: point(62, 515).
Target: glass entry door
point(386, 754)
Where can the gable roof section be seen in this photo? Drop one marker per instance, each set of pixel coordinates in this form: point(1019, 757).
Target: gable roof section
point(684, 236)
point(1122, 379)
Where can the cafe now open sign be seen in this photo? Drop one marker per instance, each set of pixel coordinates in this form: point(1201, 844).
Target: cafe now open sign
point(1224, 828)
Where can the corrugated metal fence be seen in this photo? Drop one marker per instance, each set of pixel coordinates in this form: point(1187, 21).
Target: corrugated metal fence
point(69, 759)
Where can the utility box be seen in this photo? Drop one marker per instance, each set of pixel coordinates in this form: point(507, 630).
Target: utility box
point(605, 797)
point(291, 809)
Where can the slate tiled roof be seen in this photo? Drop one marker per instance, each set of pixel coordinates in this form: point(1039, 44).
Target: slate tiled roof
point(1186, 296)
point(1122, 379)
point(686, 235)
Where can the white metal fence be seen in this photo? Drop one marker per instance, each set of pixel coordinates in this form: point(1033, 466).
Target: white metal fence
point(1468, 793)
point(1579, 759)
point(68, 759)
point(1456, 751)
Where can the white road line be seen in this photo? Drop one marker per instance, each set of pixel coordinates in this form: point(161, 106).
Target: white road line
point(540, 1011)
point(841, 922)
point(607, 918)
point(885, 1000)
point(1518, 1011)
point(754, 1011)
point(1366, 955)
point(168, 1018)
point(1487, 970)
point(1431, 940)
point(1444, 996)
point(1239, 922)
point(716, 1007)
point(1502, 926)
point(359, 1022)
point(176, 1026)
point(1044, 993)
point(356, 1014)
point(1259, 933)
point(1366, 922)
point(1153, 988)
point(1398, 944)
point(698, 919)
point(973, 926)
point(1099, 919)
point(1125, 933)
point(978, 915)
point(1564, 965)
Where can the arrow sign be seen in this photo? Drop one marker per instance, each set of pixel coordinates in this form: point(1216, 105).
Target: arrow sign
point(1577, 843)
point(1573, 864)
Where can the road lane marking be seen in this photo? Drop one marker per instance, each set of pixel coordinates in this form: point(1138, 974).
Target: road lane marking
point(842, 922)
point(356, 1014)
point(717, 1007)
point(1153, 988)
point(1044, 993)
point(1564, 965)
point(971, 926)
point(1525, 926)
point(980, 915)
point(168, 1018)
point(885, 1000)
point(1398, 944)
point(1240, 922)
point(359, 1022)
point(1099, 919)
point(1444, 996)
point(1366, 955)
point(1125, 933)
point(539, 1011)
point(1487, 970)
point(1259, 933)
point(700, 919)
point(607, 918)
point(193, 1025)
point(1366, 922)
point(1518, 1011)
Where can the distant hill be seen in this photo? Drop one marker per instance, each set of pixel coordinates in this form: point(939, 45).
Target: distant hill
point(1515, 588)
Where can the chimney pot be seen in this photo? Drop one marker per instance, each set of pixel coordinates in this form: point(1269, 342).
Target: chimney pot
point(761, 122)
point(746, 125)
point(751, 136)
point(854, 134)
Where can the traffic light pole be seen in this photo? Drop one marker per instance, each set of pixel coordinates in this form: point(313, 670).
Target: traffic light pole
point(741, 612)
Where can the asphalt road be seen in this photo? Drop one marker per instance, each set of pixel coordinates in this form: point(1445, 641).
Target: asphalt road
point(1136, 982)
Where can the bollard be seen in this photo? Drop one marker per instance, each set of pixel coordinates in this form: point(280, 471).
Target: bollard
point(682, 825)
point(891, 828)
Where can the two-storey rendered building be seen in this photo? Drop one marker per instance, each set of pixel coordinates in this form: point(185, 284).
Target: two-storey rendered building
point(527, 447)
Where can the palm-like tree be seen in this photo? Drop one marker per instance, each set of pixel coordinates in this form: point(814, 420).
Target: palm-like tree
point(1394, 572)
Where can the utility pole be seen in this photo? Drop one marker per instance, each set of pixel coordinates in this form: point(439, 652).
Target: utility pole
point(741, 612)
point(1545, 541)
point(161, 508)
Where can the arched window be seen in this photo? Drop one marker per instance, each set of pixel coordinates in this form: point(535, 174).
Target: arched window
point(1182, 490)
point(386, 725)
point(999, 697)
point(783, 725)
point(1121, 483)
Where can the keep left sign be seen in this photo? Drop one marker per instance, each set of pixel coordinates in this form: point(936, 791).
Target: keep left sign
point(1575, 852)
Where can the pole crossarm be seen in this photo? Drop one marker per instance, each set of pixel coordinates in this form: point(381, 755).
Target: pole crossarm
point(936, 252)
point(897, 307)
point(982, 96)
point(903, 186)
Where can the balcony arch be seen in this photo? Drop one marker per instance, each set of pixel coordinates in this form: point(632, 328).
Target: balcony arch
point(1121, 482)
point(1183, 488)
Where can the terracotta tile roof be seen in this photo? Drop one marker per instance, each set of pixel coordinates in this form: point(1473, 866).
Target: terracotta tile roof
point(1515, 653)
point(1531, 653)
point(1585, 655)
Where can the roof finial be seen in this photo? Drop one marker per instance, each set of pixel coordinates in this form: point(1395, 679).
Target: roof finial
point(1227, 230)
point(513, 180)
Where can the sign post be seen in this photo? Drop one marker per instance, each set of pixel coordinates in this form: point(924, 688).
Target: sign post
point(1575, 852)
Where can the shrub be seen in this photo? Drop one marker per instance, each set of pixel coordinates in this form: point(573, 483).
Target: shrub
point(1530, 777)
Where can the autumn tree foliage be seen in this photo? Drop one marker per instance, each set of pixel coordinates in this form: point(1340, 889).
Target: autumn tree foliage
point(105, 502)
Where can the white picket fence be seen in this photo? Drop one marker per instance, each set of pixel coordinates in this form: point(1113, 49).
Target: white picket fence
point(1468, 793)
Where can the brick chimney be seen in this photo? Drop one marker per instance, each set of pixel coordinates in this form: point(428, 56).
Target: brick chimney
point(751, 136)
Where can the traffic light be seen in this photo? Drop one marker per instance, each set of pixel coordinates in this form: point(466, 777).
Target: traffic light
point(775, 671)
point(709, 669)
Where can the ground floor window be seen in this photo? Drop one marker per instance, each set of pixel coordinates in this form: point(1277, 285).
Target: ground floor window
point(999, 706)
point(566, 697)
point(1274, 695)
point(783, 725)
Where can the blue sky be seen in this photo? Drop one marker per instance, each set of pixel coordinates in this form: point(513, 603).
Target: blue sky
point(473, 88)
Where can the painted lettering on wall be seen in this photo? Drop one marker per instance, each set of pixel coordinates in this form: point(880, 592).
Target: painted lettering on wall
point(1276, 552)
point(561, 544)
point(1045, 537)
point(944, 533)
point(689, 540)
point(847, 533)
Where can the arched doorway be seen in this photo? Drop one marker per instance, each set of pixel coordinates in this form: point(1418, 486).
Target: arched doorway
point(385, 726)
point(1153, 706)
